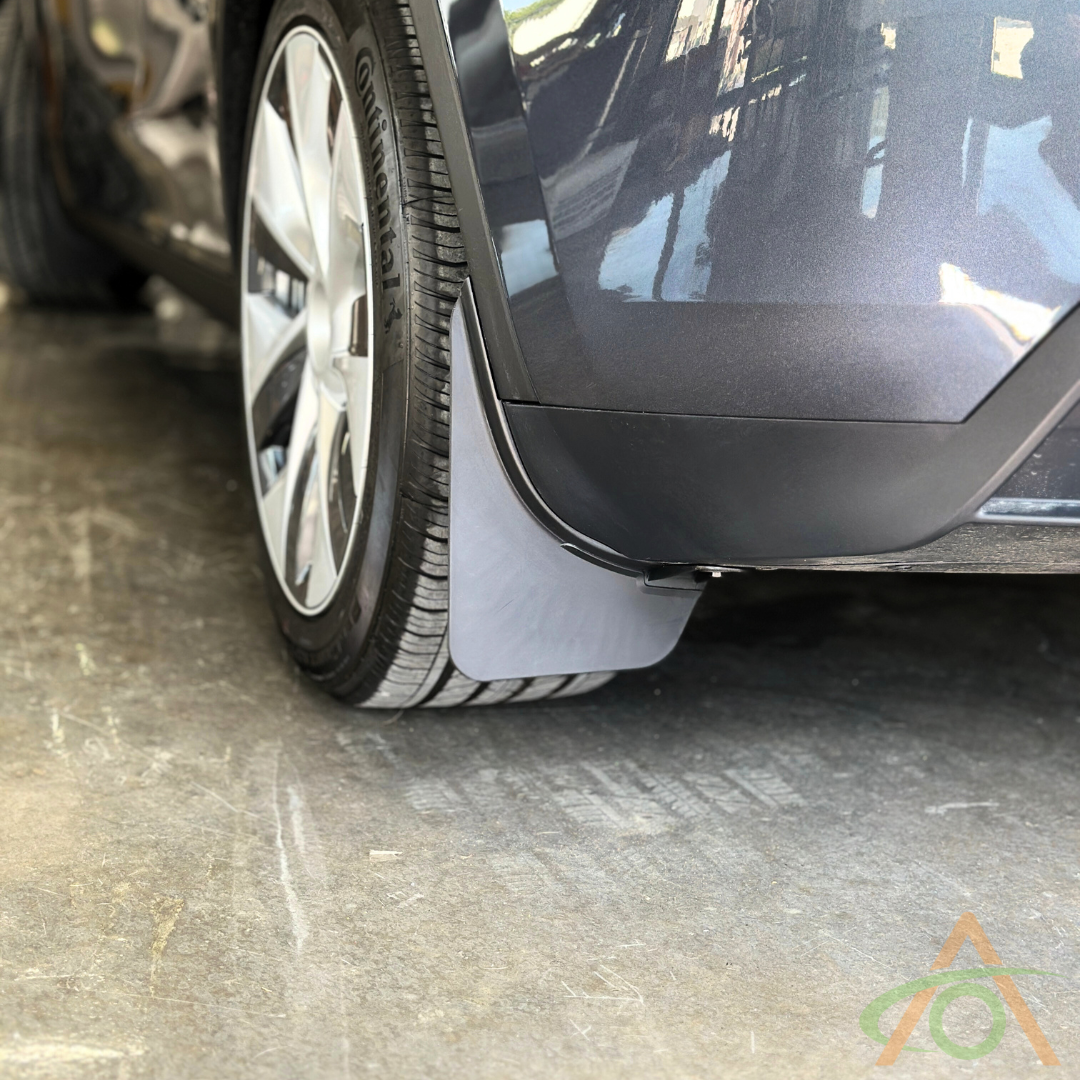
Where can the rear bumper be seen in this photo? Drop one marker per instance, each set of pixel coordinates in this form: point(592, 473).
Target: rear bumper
point(718, 490)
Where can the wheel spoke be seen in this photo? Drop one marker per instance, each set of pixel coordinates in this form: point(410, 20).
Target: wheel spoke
point(346, 281)
point(273, 508)
point(278, 192)
point(306, 319)
point(327, 436)
point(310, 82)
point(321, 576)
point(310, 563)
point(271, 337)
point(272, 414)
point(323, 572)
point(341, 491)
point(298, 458)
point(264, 324)
point(356, 372)
point(303, 528)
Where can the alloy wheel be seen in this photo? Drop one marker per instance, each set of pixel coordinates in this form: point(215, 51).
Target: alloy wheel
point(307, 320)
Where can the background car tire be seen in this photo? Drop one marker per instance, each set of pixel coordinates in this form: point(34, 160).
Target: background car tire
point(41, 252)
point(381, 638)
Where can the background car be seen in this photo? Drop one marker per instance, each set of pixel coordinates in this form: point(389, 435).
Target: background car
point(550, 313)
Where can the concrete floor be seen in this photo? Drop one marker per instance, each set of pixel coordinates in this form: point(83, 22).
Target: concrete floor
point(706, 869)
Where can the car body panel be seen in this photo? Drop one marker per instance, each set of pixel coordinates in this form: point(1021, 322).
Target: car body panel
point(783, 374)
point(791, 209)
point(723, 490)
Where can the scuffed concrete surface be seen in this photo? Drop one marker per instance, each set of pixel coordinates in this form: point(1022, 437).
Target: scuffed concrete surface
point(707, 869)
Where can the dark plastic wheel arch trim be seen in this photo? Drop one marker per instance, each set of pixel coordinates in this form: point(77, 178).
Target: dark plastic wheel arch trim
point(507, 363)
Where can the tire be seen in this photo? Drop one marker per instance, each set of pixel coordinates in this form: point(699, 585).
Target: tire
point(367, 619)
point(40, 251)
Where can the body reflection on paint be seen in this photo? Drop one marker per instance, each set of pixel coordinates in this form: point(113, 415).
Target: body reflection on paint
point(1017, 179)
point(875, 151)
point(802, 169)
point(1026, 322)
point(1010, 38)
point(693, 27)
point(688, 272)
point(634, 257)
point(526, 255)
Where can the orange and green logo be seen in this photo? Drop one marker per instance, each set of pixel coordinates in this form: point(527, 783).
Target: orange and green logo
point(958, 984)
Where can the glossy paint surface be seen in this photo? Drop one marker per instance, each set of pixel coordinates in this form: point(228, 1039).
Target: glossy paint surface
point(796, 208)
point(138, 136)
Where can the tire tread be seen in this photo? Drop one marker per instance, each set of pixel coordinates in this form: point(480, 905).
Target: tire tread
point(410, 640)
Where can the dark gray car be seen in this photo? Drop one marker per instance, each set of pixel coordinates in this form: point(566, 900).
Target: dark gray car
point(551, 312)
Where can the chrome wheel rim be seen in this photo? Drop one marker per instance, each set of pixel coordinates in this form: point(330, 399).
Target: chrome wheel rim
point(307, 321)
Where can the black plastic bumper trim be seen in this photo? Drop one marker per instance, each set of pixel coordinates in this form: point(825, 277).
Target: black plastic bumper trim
point(707, 490)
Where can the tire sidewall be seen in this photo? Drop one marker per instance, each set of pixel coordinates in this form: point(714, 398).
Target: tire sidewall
point(324, 642)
